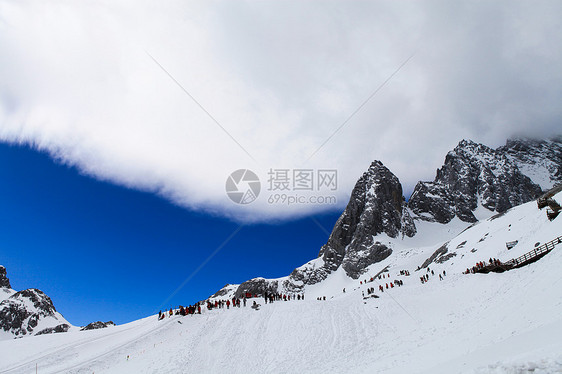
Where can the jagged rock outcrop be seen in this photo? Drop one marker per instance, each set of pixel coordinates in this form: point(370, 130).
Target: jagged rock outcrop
point(63, 327)
point(226, 292)
point(376, 206)
point(27, 312)
point(97, 325)
point(4, 281)
point(540, 160)
point(472, 175)
point(21, 313)
point(257, 286)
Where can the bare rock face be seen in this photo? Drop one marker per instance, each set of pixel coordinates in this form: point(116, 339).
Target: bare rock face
point(63, 327)
point(97, 325)
point(4, 281)
point(472, 175)
point(540, 160)
point(376, 206)
point(257, 286)
point(21, 313)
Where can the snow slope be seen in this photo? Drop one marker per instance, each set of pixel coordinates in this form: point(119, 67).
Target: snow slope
point(475, 323)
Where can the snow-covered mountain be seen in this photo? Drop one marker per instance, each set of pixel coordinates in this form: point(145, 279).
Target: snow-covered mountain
point(451, 323)
point(474, 183)
point(472, 176)
point(540, 160)
point(367, 308)
point(32, 312)
point(27, 312)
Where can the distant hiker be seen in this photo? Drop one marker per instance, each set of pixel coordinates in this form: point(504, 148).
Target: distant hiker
point(159, 315)
point(444, 274)
point(228, 304)
point(387, 286)
point(324, 298)
point(244, 301)
point(440, 277)
point(432, 273)
point(171, 312)
point(344, 290)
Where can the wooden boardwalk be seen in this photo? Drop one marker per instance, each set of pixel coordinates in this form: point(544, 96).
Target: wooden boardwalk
point(522, 260)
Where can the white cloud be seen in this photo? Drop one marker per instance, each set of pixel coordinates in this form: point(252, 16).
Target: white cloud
point(280, 77)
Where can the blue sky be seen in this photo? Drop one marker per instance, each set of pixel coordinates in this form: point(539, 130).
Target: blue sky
point(172, 99)
point(104, 252)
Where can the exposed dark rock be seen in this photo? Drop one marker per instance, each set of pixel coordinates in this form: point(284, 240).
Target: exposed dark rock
point(538, 159)
point(4, 281)
point(18, 317)
point(63, 327)
point(376, 206)
point(441, 251)
point(472, 174)
point(369, 254)
point(222, 292)
point(257, 286)
point(446, 257)
point(97, 325)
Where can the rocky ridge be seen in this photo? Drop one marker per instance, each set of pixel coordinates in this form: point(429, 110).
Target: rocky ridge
point(472, 177)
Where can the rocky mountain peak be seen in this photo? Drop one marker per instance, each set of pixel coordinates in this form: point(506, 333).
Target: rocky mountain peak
point(540, 160)
point(472, 175)
point(22, 312)
point(376, 206)
point(4, 281)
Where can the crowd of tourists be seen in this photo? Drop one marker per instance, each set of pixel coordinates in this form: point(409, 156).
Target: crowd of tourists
point(482, 264)
point(235, 302)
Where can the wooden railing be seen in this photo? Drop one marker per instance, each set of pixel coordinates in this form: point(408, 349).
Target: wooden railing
point(535, 254)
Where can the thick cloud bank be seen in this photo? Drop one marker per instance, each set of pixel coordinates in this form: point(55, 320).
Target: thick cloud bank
point(265, 84)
